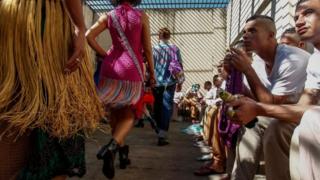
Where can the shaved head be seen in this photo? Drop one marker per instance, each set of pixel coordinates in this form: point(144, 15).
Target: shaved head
point(292, 38)
point(259, 34)
point(265, 21)
point(291, 34)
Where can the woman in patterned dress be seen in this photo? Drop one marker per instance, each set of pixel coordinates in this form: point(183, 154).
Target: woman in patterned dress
point(121, 78)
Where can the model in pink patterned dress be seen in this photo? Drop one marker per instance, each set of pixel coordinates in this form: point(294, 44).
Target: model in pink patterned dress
point(121, 77)
point(120, 83)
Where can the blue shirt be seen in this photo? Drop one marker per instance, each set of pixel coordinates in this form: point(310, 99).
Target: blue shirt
point(162, 55)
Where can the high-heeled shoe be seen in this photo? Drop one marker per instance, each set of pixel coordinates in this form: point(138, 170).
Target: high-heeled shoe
point(107, 153)
point(124, 157)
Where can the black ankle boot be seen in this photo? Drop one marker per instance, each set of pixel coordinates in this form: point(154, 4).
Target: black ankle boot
point(124, 157)
point(107, 153)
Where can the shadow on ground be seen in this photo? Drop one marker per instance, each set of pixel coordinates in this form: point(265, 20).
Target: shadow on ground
point(150, 162)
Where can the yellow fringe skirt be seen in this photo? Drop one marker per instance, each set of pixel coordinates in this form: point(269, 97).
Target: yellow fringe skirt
point(35, 44)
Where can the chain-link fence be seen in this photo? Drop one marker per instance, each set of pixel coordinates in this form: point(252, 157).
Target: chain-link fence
point(198, 28)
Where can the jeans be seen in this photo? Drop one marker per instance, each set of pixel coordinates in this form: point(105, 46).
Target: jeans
point(163, 107)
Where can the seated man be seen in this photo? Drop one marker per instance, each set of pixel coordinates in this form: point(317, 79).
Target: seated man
point(308, 26)
point(291, 37)
point(207, 87)
point(192, 102)
point(211, 101)
point(285, 67)
point(177, 103)
point(217, 165)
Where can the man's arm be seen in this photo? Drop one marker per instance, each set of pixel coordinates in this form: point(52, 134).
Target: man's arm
point(242, 62)
point(179, 57)
point(288, 113)
point(247, 109)
point(259, 91)
point(247, 92)
point(292, 113)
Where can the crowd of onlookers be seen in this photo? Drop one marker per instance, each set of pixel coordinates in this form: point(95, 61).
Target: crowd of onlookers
point(262, 105)
point(263, 126)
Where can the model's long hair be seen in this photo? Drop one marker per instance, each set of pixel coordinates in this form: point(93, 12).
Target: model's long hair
point(34, 92)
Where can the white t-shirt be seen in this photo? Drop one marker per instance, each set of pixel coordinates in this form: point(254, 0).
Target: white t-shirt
point(224, 84)
point(313, 71)
point(289, 70)
point(211, 97)
point(288, 73)
point(259, 67)
point(178, 97)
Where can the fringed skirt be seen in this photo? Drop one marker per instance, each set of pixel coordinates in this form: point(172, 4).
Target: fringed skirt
point(35, 95)
point(36, 38)
point(117, 94)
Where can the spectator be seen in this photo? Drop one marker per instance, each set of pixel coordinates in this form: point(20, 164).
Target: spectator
point(207, 87)
point(177, 99)
point(307, 25)
point(192, 102)
point(286, 69)
point(212, 102)
point(292, 38)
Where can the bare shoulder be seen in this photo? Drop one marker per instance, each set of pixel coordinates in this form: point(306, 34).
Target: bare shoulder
point(144, 17)
point(103, 17)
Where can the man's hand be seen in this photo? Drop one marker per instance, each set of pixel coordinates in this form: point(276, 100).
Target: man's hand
point(239, 59)
point(78, 52)
point(245, 110)
point(227, 62)
point(152, 80)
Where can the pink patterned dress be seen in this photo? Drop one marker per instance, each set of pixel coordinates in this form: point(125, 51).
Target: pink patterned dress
point(120, 82)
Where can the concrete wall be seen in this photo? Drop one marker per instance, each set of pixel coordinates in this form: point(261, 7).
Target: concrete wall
point(239, 10)
point(90, 18)
point(104, 39)
point(200, 35)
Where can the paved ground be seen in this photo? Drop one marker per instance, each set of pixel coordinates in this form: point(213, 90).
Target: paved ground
point(150, 162)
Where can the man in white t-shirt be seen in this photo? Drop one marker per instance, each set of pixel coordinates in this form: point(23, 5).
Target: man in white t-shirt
point(285, 67)
point(211, 98)
point(177, 101)
point(209, 107)
point(307, 19)
point(291, 37)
